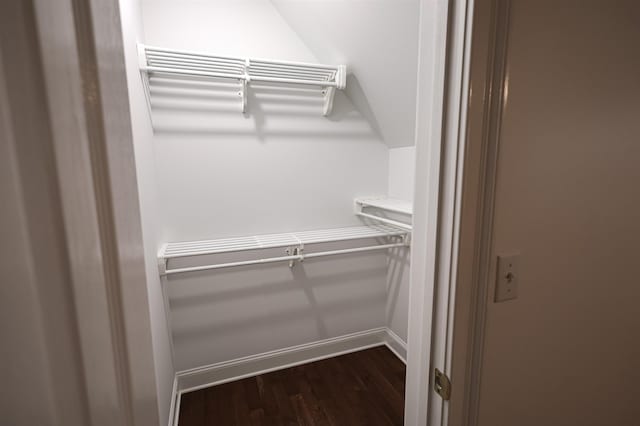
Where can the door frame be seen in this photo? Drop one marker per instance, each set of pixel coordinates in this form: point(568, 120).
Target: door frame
point(487, 95)
point(458, 222)
point(441, 137)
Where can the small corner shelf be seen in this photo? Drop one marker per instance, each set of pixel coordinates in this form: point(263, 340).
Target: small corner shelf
point(161, 61)
point(295, 244)
point(392, 205)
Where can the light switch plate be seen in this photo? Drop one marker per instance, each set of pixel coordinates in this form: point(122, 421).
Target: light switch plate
point(507, 278)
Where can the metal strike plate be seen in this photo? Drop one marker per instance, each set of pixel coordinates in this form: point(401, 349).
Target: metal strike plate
point(442, 384)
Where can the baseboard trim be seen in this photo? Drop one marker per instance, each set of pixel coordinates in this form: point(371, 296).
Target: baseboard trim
point(253, 365)
point(396, 345)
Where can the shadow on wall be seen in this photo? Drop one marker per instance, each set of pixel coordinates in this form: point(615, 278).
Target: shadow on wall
point(213, 108)
point(221, 329)
point(298, 275)
point(356, 95)
point(223, 314)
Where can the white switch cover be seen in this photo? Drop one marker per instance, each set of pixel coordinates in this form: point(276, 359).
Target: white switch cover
point(507, 278)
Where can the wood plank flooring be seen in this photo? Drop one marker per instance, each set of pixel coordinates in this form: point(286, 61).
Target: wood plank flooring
point(361, 388)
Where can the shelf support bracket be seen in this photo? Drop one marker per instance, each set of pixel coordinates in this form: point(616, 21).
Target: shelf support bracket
point(162, 261)
point(244, 85)
point(295, 251)
point(144, 74)
point(243, 95)
point(162, 266)
point(329, 94)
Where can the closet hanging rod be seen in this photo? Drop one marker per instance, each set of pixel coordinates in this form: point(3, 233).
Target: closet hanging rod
point(163, 61)
point(298, 257)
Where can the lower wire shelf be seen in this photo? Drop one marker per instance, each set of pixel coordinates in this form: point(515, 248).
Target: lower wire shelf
point(295, 243)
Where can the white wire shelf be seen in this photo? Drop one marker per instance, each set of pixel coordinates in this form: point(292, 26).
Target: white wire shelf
point(161, 61)
point(392, 205)
point(295, 243)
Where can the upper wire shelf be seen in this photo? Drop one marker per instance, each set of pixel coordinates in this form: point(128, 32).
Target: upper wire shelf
point(384, 204)
point(162, 61)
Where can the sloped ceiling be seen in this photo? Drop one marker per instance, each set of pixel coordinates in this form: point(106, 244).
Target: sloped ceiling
point(378, 41)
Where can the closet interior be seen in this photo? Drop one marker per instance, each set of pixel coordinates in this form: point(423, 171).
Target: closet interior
point(274, 147)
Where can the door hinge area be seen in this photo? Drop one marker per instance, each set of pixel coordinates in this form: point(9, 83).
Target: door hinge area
point(442, 384)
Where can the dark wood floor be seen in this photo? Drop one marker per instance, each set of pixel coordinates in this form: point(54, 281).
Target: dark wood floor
point(362, 388)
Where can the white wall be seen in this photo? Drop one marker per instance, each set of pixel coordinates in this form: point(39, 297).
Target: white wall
point(131, 17)
point(400, 185)
point(243, 311)
point(281, 167)
point(379, 42)
point(402, 169)
point(566, 351)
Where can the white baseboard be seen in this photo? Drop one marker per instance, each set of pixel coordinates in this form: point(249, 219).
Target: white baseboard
point(396, 345)
point(253, 365)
